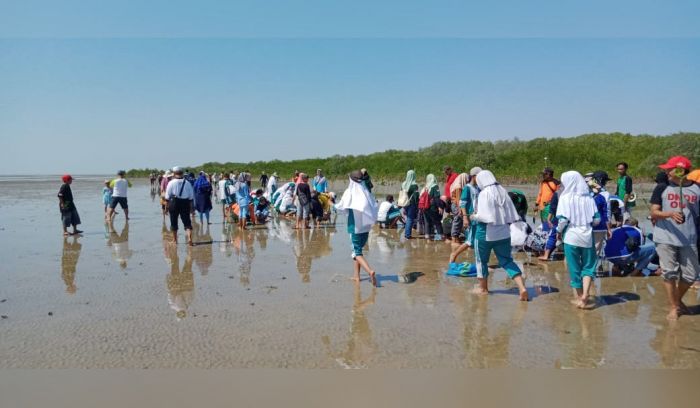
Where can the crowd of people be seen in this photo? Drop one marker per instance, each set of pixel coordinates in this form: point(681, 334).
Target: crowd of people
point(473, 211)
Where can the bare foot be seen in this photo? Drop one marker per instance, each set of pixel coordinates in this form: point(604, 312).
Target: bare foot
point(575, 301)
point(66, 233)
point(190, 243)
point(542, 258)
point(672, 315)
point(356, 278)
point(523, 296)
point(480, 291)
point(373, 278)
point(585, 304)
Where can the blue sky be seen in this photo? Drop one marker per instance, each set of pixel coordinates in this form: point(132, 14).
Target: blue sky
point(93, 90)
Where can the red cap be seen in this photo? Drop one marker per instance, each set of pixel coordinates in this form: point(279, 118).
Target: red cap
point(676, 161)
point(66, 177)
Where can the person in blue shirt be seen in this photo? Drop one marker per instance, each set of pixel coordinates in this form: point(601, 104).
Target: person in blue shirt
point(243, 200)
point(319, 183)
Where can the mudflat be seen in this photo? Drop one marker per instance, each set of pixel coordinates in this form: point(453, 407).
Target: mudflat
point(272, 296)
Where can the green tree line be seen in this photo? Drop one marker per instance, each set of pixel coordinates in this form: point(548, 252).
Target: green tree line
point(510, 160)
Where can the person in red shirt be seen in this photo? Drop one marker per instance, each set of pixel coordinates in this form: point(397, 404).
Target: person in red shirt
point(450, 176)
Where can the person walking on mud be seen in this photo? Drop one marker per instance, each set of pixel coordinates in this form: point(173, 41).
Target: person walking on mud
point(361, 208)
point(119, 187)
point(69, 214)
point(180, 197)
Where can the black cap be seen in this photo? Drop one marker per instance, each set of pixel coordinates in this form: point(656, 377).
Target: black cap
point(601, 177)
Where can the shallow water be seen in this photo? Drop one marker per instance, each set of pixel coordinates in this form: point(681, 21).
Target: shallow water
point(276, 297)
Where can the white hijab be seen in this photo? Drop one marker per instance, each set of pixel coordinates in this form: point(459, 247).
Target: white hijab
point(272, 182)
point(494, 206)
point(359, 200)
point(575, 202)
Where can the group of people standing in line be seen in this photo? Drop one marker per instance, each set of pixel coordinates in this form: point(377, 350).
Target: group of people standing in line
point(576, 211)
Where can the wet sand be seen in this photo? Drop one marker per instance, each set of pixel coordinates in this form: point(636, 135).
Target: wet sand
point(276, 297)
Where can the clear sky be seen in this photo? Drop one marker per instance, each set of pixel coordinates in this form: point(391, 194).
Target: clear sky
point(91, 89)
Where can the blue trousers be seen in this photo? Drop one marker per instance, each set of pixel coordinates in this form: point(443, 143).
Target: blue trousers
point(581, 262)
point(411, 215)
point(552, 238)
point(502, 249)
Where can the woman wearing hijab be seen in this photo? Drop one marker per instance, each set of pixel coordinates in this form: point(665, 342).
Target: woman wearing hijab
point(577, 215)
point(494, 214)
point(455, 193)
point(362, 210)
point(433, 214)
point(202, 197)
point(271, 186)
point(243, 200)
point(467, 207)
point(411, 189)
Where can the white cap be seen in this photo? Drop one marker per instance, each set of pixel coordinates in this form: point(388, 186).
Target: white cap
point(178, 169)
point(474, 171)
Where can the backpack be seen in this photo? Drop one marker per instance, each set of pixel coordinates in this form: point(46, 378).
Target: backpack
point(424, 200)
point(403, 199)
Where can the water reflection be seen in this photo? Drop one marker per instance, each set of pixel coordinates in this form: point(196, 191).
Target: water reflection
point(487, 335)
point(360, 346)
point(243, 247)
point(180, 281)
point(310, 244)
point(120, 244)
point(202, 254)
point(69, 261)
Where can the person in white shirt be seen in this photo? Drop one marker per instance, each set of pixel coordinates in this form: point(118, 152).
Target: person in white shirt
point(389, 214)
point(119, 187)
point(180, 197)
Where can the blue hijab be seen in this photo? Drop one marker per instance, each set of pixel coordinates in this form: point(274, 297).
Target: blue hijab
point(202, 182)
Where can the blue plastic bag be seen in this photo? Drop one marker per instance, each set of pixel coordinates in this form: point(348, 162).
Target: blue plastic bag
point(464, 270)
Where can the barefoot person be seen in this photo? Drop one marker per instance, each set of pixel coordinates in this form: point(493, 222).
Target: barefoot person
point(675, 208)
point(362, 210)
point(467, 204)
point(69, 214)
point(577, 214)
point(119, 187)
point(202, 197)
point(180, 197)
point(494, 214)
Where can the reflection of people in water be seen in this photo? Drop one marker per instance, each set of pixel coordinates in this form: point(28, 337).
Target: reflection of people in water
point(310, 245)
point(180, 282)
point(582, 337)
point(202, 253)
point(360, 346)
point(243, 246)
point(120, 244)
point(69, 261)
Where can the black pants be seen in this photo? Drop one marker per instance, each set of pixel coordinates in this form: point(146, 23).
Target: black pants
point(178, 207)
point(432, 220)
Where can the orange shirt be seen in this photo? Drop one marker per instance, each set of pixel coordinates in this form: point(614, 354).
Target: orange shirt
point(547, 189)
point(694, 176)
